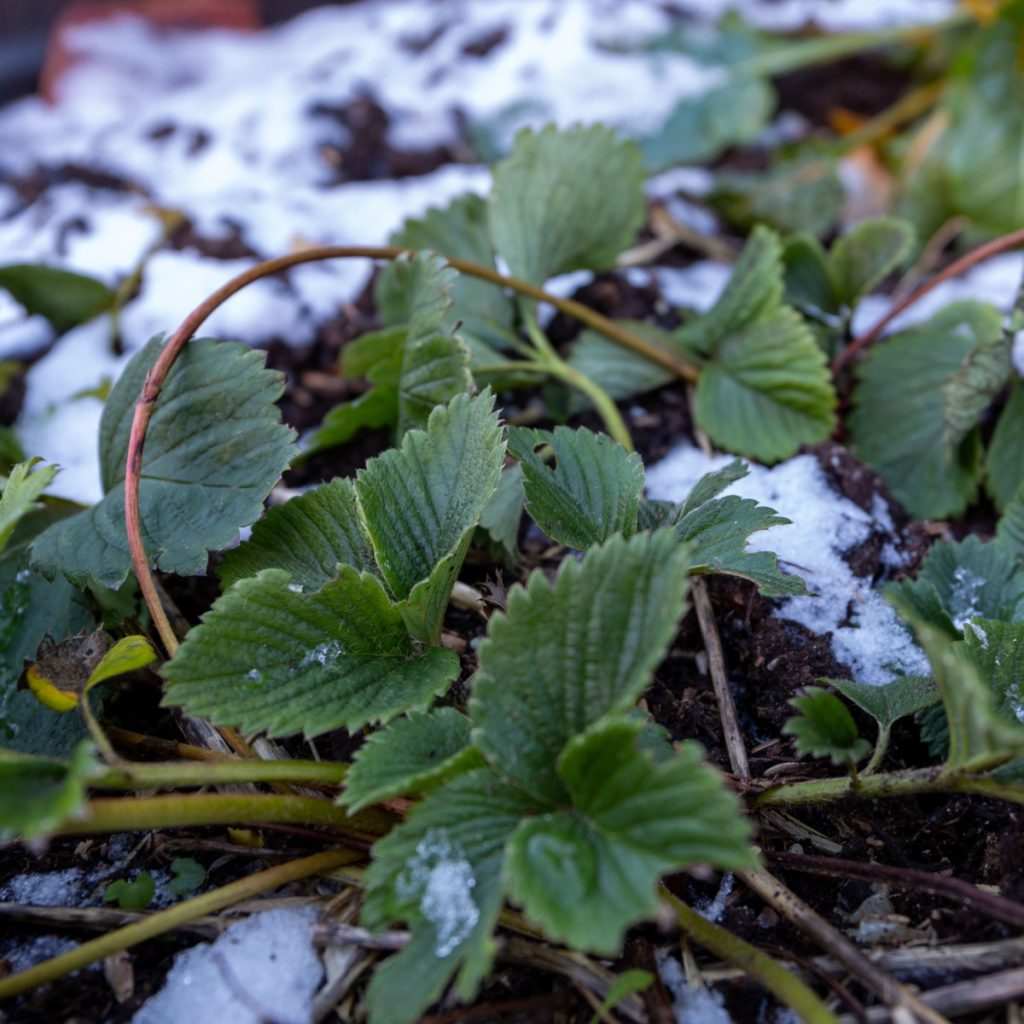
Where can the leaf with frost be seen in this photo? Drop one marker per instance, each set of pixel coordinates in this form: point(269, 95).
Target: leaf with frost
point(215, 448)
point(825, 728)
point(996, 649)
point(980, 737)
point(37, 795)
point(592, 491)
point(63, 298)
point(20, 495)
point(268, 658)
point(482, 313)
point(308, 536)
point(1004, 461)
point(764, 387)
point(588, 872)
point(441, 871)
point(961, 581)
point(595, 635)
point(887, 704)
point(409, 756)
point(422, 502)
point(903, 423)
point(566, 200)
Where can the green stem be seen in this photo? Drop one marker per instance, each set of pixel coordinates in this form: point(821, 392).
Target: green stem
point(124, 775)
point(878, 754)
point(538, 338)
point(786, 987)
point(871, 787)
point(164, 920)
point(599, 398)
point(193, 809)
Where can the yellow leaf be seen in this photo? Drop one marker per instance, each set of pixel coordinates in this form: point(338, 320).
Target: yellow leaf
point(49, 694)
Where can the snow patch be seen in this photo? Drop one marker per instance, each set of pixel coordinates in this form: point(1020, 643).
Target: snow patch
point(866, 633)
point(692, 1004)
point(263, 968)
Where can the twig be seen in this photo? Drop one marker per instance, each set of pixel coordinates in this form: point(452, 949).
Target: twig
point(716, 666)
point(97, 919)
point(969, 895)
point(998, 245)
point(787, 987)
point(164, 920)
point(897, 996)
point(337, 934)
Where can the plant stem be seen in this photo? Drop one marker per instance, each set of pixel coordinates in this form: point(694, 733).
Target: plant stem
point(871, 787)
point(878, 754)
point(157, 374)
point(1004, 243)
point(126, 775)
point(786, 987)
point(164, 920)
point(130, 814)
point(599, 398)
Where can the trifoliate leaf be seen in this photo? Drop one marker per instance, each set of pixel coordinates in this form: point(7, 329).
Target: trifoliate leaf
point(268, 658)
point(587, 873)
point(594, 635)
point(500, 520)
point(1010, 528)
point(483, 313)
point(703, 126)
point(961, 581)
point(824, 728)
point(592, 491)
point(801, 192)
point(215, 448)
point(717, 533)
point(37, 795)
point(979, 736)
point(421, 503)
point(866, 253)
point(901, 409)
point(765, 388)
point(409, 756)
point(19, 495)
point(64, 298)
point(134, 895)
point(1004, 461)
point(566, 200)
point(309, 537)
point(887, 704)
point(441, 871)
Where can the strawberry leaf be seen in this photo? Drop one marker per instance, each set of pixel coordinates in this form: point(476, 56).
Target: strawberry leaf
point(887, 704)
point(64, 298)
point(866, 253)
point(20, 494)
point(1004, 462)
point(825, 728)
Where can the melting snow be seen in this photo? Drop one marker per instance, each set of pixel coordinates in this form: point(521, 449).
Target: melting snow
point(263, 968)
point(692, 1004)
point(442, 880)
point(866, 634)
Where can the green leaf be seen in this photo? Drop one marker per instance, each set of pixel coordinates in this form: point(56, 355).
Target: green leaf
point(996, 649)
point(441, 871)
point(810, 280)
point(866, 253)
point(626, 984)
point(421, 502)
point(37, 795)
point(482, 312)
point(1010, 528)
point(411, 755)
point(215, 448)
point(903, 696)
point(566, 200)
point(188, 874)
point(703, 126)
point(898, 423)
point(268, 658)
point(621, 372)
point(588, 873)
point(20, 495)
point(592, 492)
point(961, 581)
point(969, 392)
point(62, 297)
point(1004, 462)
point(129, 654)
point(134, 895)
point(765, 388)
point(824, 728)
point(309, 537)
point(500, 520)
point(594, 636)
point(800, 192)
point(979, 737)
point(710, 485)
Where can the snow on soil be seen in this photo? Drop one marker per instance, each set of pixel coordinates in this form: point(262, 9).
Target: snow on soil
point(692, 1004)
point(264, 968)
point(866, 634)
